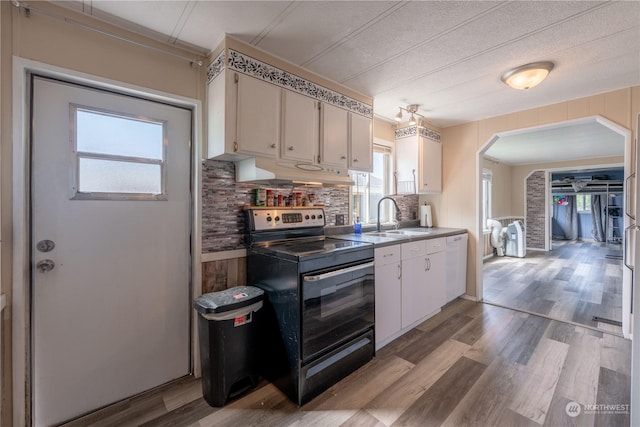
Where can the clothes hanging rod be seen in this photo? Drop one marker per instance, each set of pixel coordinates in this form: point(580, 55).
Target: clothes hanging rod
point(28, 9)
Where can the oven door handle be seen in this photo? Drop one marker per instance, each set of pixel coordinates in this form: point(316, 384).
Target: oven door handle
point(330, 274)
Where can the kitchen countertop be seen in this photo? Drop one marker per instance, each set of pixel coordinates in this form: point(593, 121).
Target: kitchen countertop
point(379, 241)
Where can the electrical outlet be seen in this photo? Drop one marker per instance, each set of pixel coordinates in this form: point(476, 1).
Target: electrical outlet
point(339, 219)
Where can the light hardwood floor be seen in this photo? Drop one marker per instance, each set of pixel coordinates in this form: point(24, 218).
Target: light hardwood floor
point(573, 282)
point(472, 364)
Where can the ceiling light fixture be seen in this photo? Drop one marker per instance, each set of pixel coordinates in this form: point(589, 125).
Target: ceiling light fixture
point(528, 75)
point(413, 110)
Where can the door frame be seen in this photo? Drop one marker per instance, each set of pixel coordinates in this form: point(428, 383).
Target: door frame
point(628, 169)
point(21, 299)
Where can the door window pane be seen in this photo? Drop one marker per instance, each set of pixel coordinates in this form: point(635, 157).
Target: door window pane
point(117, 156)
point(103, 133)
point(108, 176)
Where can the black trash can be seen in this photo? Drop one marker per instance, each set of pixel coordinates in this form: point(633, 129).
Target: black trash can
point(230, 333)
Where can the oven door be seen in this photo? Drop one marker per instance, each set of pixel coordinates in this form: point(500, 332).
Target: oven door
point(337, 304)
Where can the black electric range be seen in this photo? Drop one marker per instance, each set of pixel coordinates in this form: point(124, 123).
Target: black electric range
point(320, 299)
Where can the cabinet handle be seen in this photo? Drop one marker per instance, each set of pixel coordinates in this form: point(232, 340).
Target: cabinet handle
point(355, 160)
point(272, 145)
point(399, 272)
point(290, 148)
point(235, 146)
point(426, 264)
point(342, 157)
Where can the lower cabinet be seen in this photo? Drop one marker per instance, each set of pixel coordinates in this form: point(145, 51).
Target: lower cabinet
point(410, 286)
point(388, 274)
point(456, 266)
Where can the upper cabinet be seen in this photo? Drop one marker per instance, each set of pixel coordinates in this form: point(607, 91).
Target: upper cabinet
point(257, 117)
point(418, 161)
point(346, 139)
point(243, 117)
point(360, 143)
point(430, 166)
point(258, 110)
point(300, 118)
point(334, 136)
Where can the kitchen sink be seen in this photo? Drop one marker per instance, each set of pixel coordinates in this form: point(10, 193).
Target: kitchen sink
point(408, 232)
point(401, 233)
point(385, 234)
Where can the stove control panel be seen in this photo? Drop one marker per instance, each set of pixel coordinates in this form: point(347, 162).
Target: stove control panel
point(279, 219)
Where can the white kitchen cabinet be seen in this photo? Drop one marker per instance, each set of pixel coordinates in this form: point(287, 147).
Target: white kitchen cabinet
point(424, 156)
point(334, 136)
point(388, 292)
point(423, 279)
point(436, 275)
point(243, 117)
point(407, 165)
point(414, 287)
point(456, 266)
point(300, 127)
point(360, 143)
point(430, 178)
point(258, 117)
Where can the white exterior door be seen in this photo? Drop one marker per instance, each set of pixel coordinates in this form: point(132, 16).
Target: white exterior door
point(110, 232)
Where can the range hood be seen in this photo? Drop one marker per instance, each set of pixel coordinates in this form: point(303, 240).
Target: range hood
point(269, 171)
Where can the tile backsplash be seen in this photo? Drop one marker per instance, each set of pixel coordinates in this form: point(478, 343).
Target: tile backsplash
point(223, 223)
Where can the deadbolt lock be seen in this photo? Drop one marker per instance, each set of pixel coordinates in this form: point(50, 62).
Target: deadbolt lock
point(45, 245)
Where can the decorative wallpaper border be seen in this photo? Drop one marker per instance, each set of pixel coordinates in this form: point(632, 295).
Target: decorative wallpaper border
point(408, 131)
point(247, 65)
point(215, 68)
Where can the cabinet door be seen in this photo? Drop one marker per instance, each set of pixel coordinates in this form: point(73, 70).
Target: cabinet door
point(430, 166)
point(258, 117)
point(435, 281)
point(361, 143)
point(407, 155)
point(334, 138)
point(388, 301)
point(415, 293)
point(300, 130)
point(456, 266)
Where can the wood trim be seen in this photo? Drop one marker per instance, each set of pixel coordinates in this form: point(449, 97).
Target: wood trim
point(222, 255)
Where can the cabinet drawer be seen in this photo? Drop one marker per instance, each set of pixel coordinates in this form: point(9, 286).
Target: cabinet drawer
point(387, 255)
point(436, 245)
point(414, 249)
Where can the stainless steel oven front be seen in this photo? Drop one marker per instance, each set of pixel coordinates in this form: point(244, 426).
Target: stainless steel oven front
point(337, 305)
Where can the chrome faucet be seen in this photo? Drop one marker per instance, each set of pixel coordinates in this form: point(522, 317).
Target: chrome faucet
point(394, 203)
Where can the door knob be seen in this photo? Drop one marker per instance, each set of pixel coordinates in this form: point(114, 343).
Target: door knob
point(45, 245)
point(45, 265)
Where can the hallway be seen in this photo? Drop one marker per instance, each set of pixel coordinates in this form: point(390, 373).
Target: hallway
point(573, 282)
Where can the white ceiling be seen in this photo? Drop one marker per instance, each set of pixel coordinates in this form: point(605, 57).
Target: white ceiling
point(575, 140)
point(446, 56)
